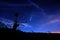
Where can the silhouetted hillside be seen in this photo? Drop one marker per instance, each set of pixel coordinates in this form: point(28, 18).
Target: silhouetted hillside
point(20, 34)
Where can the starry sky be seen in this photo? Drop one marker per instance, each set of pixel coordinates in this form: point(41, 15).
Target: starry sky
point(35, 15)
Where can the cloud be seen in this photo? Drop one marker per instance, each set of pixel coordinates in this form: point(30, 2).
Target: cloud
point(26, 25)
point(7, 22)
point(51, 19)
point(51, 22)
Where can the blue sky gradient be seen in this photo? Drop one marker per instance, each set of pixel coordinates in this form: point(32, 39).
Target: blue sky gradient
point(35, 15)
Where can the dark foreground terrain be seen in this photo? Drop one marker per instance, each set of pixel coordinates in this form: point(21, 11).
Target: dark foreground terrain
point(16, 34)
point(20, 34)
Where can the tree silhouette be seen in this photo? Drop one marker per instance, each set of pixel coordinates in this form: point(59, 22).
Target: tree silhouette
point(2, 25)
point(15, 25)
point(17, 14)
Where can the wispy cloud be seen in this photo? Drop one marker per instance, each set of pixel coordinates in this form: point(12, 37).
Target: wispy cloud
point(26, 25)
point(52, 19)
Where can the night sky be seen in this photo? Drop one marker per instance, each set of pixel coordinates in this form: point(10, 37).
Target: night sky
point(35, 15)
